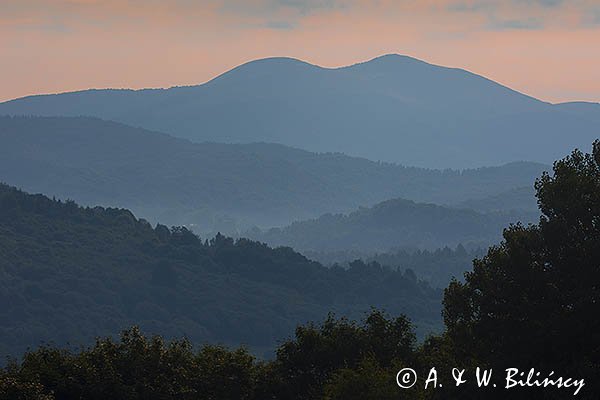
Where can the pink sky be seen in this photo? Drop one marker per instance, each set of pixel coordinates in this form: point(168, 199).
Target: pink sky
point(546, 48)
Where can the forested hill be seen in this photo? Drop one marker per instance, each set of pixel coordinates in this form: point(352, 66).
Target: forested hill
point(437, 267)
point(518, 199)
point(219, 186)
point(396, 223)
point(71, 273)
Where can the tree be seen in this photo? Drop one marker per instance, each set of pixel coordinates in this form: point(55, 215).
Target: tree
point(533, 300)
point(338, 346)
point(14, 389)
point(368, 380)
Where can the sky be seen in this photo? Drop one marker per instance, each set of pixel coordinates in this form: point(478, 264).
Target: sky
point(549, 49)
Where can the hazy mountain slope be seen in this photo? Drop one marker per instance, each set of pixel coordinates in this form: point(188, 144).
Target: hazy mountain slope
point(580, 108)
point(178, 182)
point(394, 223)
point(392, 108)
point(518, 199)
point(71, 274)
point(437, 267)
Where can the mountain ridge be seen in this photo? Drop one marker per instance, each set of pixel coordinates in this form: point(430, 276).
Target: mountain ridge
point(395, 223)
point(300, 61)
point(393, 109)
point(175, 181)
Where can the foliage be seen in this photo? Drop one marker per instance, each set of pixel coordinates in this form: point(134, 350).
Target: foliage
point(69, 274)
point(136, 367)
point(437, 267)
point(321, 360)
point(533, 300)
point(394, 223)
point(307, 363)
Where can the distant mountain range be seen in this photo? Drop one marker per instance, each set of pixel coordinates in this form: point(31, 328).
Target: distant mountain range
point(437, 267)
point(521, 199)
point(395, 223)
point(219, 186)
point(393, 108)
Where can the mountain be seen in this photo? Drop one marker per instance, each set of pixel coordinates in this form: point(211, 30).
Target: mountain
point(395, 223)
point(70, 274)
point(437, 267)
point(393, 108)
point(219, 186)
point(521, 199)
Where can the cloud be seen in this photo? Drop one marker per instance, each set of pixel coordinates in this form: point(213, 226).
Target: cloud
point(279, 25)
point(280, 14)
point(310, 6)
point(526, 14)
point(471, 7)
point(291, 14)
point(58, 45)
point(519, 24)
point(545, 3)
point(592, 17)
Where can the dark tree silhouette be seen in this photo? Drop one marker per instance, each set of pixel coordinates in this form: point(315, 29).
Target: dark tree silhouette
point(533, 300)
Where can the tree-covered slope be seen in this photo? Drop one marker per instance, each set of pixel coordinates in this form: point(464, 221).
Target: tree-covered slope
point(218, 186)
point(518, 199)
point(437, 267)
point(395, 223)
point(68, 274)
point(525, 318)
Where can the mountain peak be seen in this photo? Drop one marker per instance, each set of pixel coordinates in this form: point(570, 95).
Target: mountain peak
point(393, 108)
point(391, 59)
point(266, 67)
point(395, 57)
point(273, 64)
point(276, 61)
